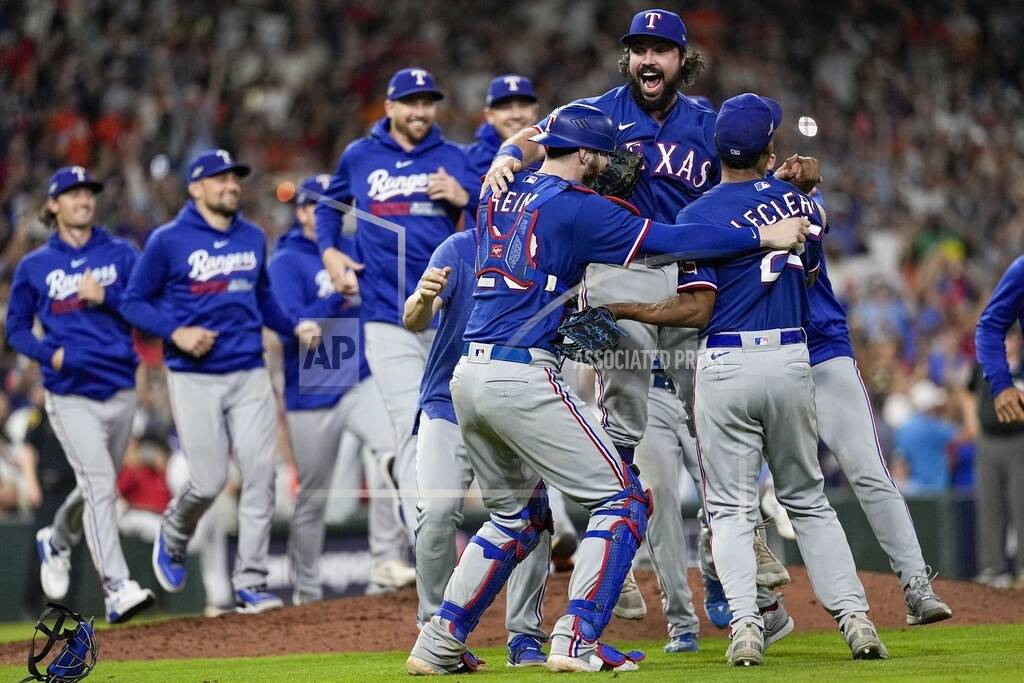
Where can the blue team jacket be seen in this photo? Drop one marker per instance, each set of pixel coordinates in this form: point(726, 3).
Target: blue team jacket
point(190, 273)
point(99, 359)
point(1004, 308)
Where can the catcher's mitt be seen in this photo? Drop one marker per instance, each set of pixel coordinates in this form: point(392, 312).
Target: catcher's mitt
point(620, 176)
point(588, 333)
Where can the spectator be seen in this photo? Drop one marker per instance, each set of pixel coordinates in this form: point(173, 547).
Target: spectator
point(922, 440)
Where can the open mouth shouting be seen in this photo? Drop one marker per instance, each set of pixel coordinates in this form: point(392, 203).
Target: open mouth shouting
point(652, 81)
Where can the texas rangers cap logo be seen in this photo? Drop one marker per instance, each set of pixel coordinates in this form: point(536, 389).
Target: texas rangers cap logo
point(652, 19)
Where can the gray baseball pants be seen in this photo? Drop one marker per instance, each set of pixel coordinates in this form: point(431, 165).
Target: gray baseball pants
point(94, 435)
point(754, 400)
point(217, 415)
point(444, 476)
point(316, 438)
point(847, 426)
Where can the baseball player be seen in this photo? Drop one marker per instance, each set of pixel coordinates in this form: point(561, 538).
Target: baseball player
point(323, 407)
point(73, 284)
point(753, 391)
point(201, 285)
point(404, 171)
point(674, 135)
point(513, 408)
point(443, 472)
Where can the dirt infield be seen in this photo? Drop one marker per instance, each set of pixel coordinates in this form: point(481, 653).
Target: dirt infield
point(387, 622)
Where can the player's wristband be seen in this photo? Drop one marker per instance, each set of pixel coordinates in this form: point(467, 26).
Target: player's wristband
point(511, 151)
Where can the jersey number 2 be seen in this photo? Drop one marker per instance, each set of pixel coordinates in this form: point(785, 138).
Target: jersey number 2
point(774, 262)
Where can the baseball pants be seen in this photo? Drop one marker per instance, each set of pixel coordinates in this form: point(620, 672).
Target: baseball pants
point(444, 476)
point(659, 455)
point(397, 359)
point(847, 426)
point(511, 415)
point(94, 435)
point(217, 415)
point(67, 521)
point(316, 438)
point(624, 378)
point(999, 498)
point(754, 400)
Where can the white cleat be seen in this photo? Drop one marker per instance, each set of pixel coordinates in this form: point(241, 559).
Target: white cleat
point(631, 603)
point(392, 574)
point(54, 565)
point(127, 601)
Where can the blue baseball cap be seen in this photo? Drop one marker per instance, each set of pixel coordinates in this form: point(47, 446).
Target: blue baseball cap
point(214, 162)
point(657, 23)
point(578, 125)
point(746, 124)
point(312, 189)
point(68, 178)
point(509, 86)
point(412, 81)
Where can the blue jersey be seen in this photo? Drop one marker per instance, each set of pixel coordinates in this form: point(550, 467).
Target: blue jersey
point(304, 290)
point(828, 335)
point(1004, 309)
point(384, 180)
point(536, 242)
point(680, 159)
point(99, 359)
point(191, 273)
point(765, 290)
point(459, 253)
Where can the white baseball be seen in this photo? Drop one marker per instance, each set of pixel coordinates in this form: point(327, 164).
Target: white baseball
point(807, 126)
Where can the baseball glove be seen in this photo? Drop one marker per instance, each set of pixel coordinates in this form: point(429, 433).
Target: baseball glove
point(588, 333)
point(620, 176)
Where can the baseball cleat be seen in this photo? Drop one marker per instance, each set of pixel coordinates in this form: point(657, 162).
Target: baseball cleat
point(747, 645)
point(54, 565)
point(128, 600)
point(256, 600)
point(417, 666)
point(777, 622)
point(631, 603)
point(770, 572)
point(604, 658)
point(169, 567)
point(715, 604)
point(861, 636)
point(392, 574)
point(923, 605)
point(525, 650)
point(686, 642)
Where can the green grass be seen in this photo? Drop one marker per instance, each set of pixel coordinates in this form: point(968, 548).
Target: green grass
point(966, 653)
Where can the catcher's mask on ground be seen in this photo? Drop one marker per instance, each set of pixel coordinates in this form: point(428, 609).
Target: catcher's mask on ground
point(78, 655)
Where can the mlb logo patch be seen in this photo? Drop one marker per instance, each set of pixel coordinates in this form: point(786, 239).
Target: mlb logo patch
point(762, 186)
point(530, 179)
point(497, 250)
point(760, 341)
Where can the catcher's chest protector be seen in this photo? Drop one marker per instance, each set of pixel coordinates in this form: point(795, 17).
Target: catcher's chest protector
point(505, 259)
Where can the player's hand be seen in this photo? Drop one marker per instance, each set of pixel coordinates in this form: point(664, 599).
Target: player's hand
point(433, 282)
point(1010, 405)
point(784, 235)
point(342, 269)
point(800, 171)
point(57, 359)
point(500, 174)
point(90, 290)
point(444, 187)
point(194, 340)
point(308, 333)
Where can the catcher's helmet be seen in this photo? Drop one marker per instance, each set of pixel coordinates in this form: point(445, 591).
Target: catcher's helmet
point(578, 125)
point(76, 659)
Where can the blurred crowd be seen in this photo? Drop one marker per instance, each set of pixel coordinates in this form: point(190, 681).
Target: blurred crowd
point(918, 104)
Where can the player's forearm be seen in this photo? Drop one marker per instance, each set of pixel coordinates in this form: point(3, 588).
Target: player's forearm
point(28, 344)
point(145, 316)
point(418, 312)
point(697, 241)
point(684, 310)
point(531, 151)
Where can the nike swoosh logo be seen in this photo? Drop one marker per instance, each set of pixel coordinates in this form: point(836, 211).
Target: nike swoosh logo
point(219, 243)
point(624, 126)
point(716, 356)
point(77, 262)
point(403, 164)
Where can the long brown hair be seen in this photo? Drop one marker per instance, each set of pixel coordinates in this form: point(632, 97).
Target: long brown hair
point(692, 68)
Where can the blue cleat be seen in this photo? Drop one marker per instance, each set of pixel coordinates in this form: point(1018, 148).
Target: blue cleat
point(525, 650)
point(715, 604)
point(169, 567)
point(686, 642)
point(256, 600)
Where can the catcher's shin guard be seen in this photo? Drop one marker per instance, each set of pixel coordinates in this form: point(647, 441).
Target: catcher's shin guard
point(534, 518)
point(630, 510)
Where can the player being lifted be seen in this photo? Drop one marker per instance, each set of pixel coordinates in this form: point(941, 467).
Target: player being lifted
point(513, 408)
